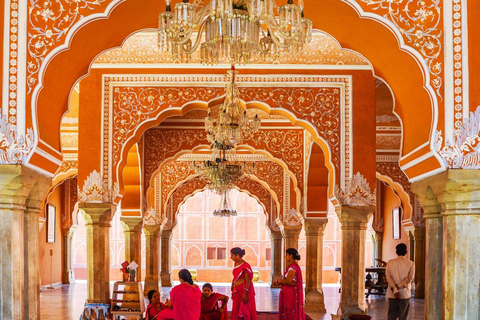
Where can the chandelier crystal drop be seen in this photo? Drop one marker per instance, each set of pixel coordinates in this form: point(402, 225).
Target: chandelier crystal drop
point(233, 31)
point(227, 123)
point(224, 209)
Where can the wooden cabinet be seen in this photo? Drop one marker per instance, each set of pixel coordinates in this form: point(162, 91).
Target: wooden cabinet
point(127, 300)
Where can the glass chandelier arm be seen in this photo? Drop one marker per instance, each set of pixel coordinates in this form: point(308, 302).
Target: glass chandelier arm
point(195, 45)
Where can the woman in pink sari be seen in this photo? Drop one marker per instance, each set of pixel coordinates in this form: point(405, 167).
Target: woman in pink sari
point(243, 293)
point(186, 298)
point(291, 305)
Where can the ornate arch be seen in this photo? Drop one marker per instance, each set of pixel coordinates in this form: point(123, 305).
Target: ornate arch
point(351, 26)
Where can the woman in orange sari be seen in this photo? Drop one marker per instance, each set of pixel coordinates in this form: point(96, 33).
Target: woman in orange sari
point(243, 293)
point(291, 302)
point(214, 304)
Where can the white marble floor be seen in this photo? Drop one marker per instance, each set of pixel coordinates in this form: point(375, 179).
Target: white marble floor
point(66, 302)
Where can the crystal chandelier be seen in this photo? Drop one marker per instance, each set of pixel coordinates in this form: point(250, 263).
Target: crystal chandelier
point(224, 210)
point(223, 170)
point(234, 31)
point(227, 123)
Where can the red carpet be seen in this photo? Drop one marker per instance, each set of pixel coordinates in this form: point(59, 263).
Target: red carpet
point(272, 316)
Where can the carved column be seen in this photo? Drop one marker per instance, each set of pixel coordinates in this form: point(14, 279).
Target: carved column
point(291, 234)
point(98, 217)
point(37, 185)
point(277, 256)
point(419, 262)
point(21, 193)
point(314, 230)
point(353, 221)
point(456, 233)
point(132, 228)
point(152, 276)
point(377, 239)
point(166, 273)
point(68, 274)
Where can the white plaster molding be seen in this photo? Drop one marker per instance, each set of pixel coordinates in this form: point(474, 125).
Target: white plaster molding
point(357, 192)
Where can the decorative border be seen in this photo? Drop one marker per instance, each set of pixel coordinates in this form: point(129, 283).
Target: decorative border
point(343, 83)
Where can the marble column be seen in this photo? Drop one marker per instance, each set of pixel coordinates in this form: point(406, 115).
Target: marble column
point(454, 239)
point(353, 221)
point(21, 192)
point(132, 228)
point(419, 262)
point(459, 195)
point(377, 239)
point(166, 272)
point(276, 257)
point(314, 299)
point(68, 274)
point(433, 248)
point(291, 234)
point(32, 262)
point(98, 217)
point(152, 251)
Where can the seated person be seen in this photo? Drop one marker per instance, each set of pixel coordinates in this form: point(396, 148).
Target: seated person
point(186, 297)
point(214, 305)
point(157, 310)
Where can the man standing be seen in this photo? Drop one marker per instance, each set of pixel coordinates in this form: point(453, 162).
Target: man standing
point(400, 272)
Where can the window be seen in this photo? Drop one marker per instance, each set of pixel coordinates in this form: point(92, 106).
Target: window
point(268, 254)
point(216, 253)
point(396, 222)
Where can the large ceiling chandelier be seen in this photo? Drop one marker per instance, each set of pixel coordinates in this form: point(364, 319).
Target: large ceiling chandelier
point(234, 31)
point(227, 123)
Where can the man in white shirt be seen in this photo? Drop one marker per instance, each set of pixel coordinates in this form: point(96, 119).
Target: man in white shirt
point(400, 272)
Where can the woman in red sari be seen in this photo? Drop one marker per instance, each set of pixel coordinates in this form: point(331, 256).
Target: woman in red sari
point(186, 297)
point(157, 310)
point(291, 302)
point(243, 293)
point(214, 305)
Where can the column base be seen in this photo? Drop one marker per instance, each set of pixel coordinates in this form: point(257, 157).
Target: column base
point(314, 302)
point(166, 280)
point(345, 314)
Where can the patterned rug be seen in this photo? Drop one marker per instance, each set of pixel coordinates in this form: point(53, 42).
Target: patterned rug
point(272, 316)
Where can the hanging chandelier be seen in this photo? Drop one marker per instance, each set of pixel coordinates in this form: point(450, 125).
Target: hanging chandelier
point(223, 170)
point(224, 209)
point(233, 31)
point(227, 123)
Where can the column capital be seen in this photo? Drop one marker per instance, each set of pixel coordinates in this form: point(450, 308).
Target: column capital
point(314, 226)
point(152, 230)
point(276, 235)
point(354, 216)
point(132, 224)
point(167, 233)
point(291, 230)
point(456, 192)
point(97, 213)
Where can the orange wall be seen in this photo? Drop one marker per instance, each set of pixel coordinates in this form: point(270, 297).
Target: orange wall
point(44, 247)
point(390, 201)
point(474, 53)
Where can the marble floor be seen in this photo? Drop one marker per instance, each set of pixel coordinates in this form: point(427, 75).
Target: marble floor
point(66, 302)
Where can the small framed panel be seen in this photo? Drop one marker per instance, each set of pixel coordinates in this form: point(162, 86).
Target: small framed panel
point(51, 214)
point(397, 222)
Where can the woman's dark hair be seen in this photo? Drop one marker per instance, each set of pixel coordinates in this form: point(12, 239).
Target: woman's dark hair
point(150, 294)
point(238, 251)
point(207, 285)
point(294, 253)
point(185, 275)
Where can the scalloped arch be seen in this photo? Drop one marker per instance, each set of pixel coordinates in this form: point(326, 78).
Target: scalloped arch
point(344, 20)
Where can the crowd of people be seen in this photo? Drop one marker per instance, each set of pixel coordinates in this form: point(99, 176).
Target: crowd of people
point(188, 302)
